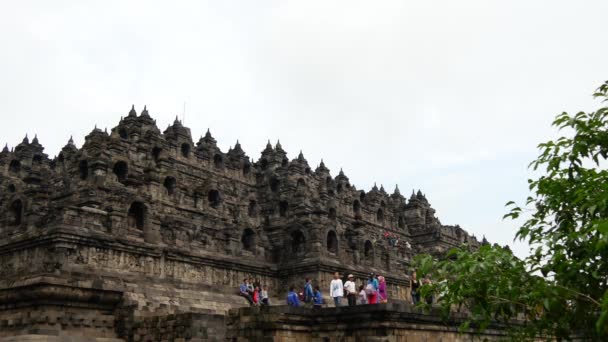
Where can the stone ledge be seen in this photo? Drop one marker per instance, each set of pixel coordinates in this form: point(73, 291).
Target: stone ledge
point(53, 294)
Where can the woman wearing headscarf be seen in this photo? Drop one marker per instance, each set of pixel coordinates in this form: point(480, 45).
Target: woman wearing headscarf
point(382, 295)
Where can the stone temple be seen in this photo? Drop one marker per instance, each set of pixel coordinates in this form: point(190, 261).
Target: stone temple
point(139, 229)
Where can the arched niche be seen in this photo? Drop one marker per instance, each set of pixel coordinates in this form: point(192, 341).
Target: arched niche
point(16, 212)
point(368, 250)
point(185, 150)
point(380, 215)
point(401, 221)
point(83, 169)
point(14, 166)
point(275, 184)
point(218, 161)
point(283, 208)
point(332, 242)
point(170, 185)
point(122, 132)
point(156, 153)
point(298, 242)
point(252, 210)
point(332, 213)
point(246, 169)
point(136, 216)
point(248, 240)
point(214, 198)
point(121, 170)
point(357, 208)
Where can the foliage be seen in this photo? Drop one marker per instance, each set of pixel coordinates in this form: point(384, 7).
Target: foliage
point(566, 223)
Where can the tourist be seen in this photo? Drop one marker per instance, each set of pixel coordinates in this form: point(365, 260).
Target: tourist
point(317, 298)
point(427, 281)
point(362, 295)
point(256, 296)
point(351, 290)
point(292, 298)
point(264, 296)
point(244, 292)
point(372, 289)
point(336, 289)
point(250, 286)
point(415, 285)
point(382, 296)
point(308, 293)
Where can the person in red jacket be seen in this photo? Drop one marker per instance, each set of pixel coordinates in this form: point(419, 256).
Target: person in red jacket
point(256, 296)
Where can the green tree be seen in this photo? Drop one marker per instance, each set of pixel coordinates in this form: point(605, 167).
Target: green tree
point(560, 291)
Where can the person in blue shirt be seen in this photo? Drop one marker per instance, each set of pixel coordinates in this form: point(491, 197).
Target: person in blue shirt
point(292, 298)
point(308, 293)
point(318, 297)
point(244, 291)
point(372, 289)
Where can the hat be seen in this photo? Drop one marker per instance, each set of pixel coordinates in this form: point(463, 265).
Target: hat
point(351, 276)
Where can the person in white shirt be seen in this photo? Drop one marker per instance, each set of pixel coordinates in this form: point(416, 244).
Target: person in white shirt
point(351, 290)
point(336, 289)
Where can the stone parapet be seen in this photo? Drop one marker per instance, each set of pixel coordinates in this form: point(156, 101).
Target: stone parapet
point(382, 322)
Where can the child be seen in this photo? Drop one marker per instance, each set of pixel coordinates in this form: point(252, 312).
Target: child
point(256, 296)
point(264, 295)
point(362, 295)
point(317, 298)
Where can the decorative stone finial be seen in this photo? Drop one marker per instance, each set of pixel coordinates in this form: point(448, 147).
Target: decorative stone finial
point(5, 149)
point(397, 192)
point(237, 147)
point(322, 167)
point(71, 141)
point(26, 140)
point(144, 113)
point(268, 148)
point(132, 113)
point(35, 140)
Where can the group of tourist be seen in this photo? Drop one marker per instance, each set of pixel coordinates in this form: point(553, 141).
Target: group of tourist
point(254, 292)
point(370, 291)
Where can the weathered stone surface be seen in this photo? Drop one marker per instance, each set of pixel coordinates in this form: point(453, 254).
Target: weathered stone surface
point(382, 322)
point(175, 226)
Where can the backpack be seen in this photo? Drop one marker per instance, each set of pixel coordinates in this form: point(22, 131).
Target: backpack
point(369, 289)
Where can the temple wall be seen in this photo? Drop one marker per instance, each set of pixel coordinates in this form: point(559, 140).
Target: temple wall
point(143, 225)
point(383, 322)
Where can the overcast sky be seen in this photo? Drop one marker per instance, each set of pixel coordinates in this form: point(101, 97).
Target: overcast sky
point(451, 97)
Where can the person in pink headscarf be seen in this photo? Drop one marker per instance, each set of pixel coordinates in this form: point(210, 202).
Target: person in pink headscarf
point(382, 295)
